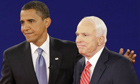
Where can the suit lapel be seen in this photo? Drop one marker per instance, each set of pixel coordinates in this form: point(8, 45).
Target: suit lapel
point(100, 67)
point(27, 64)
point(55, 60)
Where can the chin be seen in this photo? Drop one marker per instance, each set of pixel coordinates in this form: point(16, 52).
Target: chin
point(81, 52)
point(29, 40)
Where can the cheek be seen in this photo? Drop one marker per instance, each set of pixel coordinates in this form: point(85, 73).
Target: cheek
point(76, 42)
point(21, 29)
point(92, 46)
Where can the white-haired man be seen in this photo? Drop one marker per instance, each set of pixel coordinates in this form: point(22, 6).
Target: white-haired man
point(99, 65)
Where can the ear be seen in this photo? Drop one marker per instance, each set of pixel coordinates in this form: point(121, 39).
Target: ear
point(47, 22)
point(101, 40)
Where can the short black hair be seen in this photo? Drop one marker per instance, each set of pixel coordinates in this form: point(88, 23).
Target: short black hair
point(41, 8)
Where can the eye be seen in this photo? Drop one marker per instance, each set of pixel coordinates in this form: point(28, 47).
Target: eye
point(77, 34)
point(31, 20)
point(85, 35)
point(21, 22)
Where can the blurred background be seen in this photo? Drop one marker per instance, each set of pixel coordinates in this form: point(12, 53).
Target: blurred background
point(121, 17)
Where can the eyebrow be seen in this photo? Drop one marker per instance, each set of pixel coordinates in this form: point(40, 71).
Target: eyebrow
point(31, 20)
point(80, 33)
point(28, 20)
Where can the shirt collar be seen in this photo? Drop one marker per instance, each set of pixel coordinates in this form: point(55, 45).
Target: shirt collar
point(93, 60)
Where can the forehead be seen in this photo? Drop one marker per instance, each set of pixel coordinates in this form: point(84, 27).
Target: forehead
point(86, 26)
point(27, 14)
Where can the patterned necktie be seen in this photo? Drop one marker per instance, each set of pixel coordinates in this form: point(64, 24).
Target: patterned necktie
point(41, 68)
point(85, 77)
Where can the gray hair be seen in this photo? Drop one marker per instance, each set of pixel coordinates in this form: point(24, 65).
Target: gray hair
point(100, 26)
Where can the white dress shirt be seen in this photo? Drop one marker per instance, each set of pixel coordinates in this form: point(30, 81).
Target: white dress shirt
point(45, 53)
point(93, 61)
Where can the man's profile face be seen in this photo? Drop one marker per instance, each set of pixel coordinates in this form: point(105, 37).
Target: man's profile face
point(86, 39)
point(32, 26)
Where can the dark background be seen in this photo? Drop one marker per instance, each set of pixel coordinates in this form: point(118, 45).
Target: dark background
point(121, 17)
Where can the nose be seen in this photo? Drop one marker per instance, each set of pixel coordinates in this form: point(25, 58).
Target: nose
point(78, 39)
point(25, 27)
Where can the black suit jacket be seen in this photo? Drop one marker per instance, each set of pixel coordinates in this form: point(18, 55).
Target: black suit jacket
point(111, 68)
point(18, 66)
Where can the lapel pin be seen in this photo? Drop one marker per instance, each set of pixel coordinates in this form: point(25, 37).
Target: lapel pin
point(56, 58)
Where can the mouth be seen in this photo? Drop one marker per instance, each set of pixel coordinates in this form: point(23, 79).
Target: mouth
point(80, 46)
point(28, 34)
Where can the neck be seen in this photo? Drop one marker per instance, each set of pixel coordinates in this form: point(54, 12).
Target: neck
point(41, 41)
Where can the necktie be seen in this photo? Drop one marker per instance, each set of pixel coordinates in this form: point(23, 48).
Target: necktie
point(85, 77)
point(41, 68)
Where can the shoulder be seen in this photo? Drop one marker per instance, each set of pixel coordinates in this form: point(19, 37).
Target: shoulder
point(117, 61)
point(121, 69)
point(113, 59)
point(112, 56)
point(62, 43)
point(118, 57)
point(19, 47)
point(56, 40)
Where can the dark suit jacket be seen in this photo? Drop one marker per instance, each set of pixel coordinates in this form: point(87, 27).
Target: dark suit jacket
point(18, 66)
point(111, 68)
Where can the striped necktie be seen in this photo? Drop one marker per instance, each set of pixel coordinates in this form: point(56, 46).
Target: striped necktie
point(85, 77)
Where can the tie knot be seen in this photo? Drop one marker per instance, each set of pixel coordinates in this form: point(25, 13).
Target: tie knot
point(88, 64)
point(39, 50)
